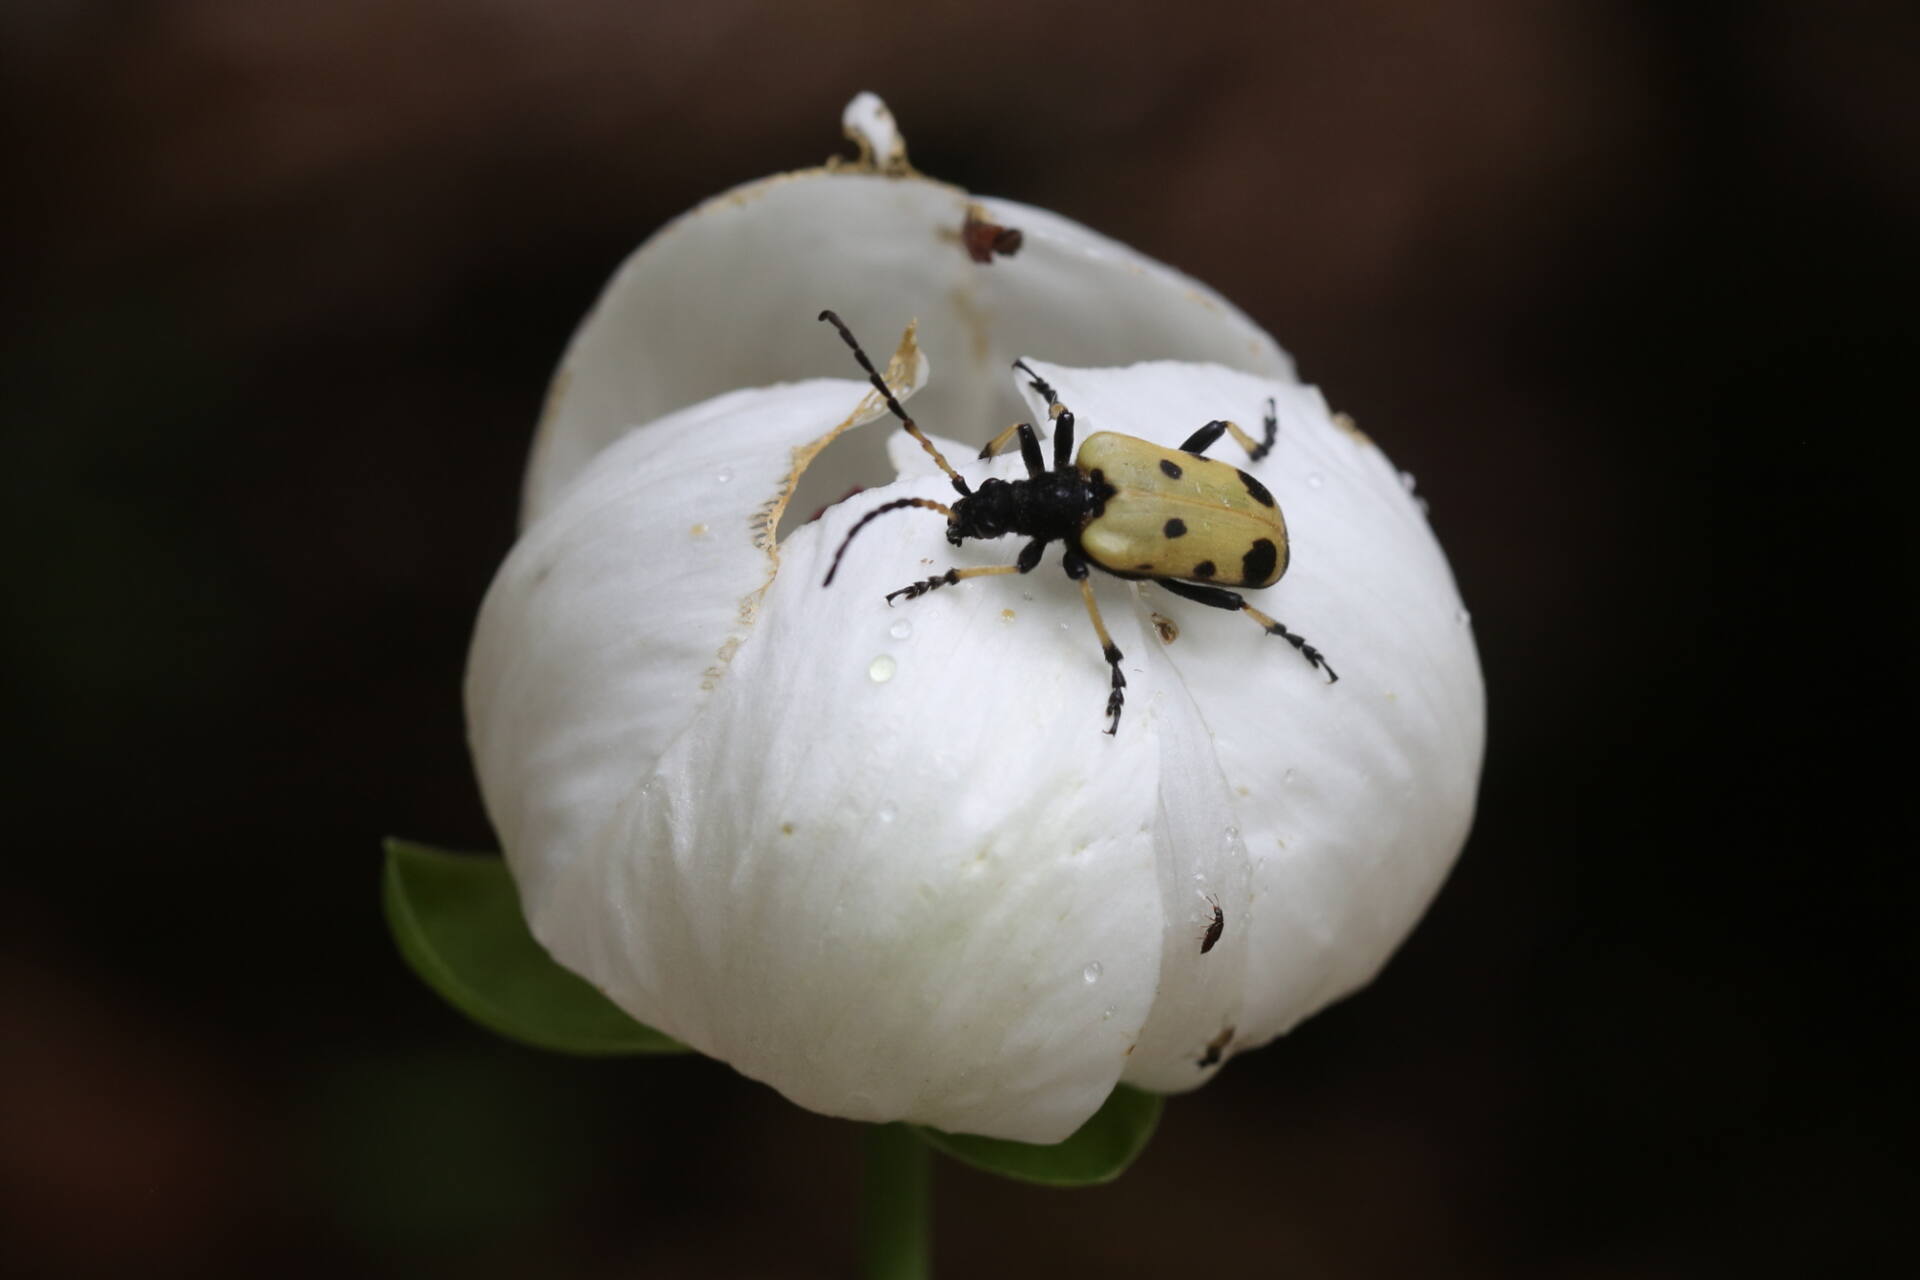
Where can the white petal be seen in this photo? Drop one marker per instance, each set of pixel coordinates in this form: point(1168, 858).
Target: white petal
point(1353, 798)
point(611, 619)
point(726, 297)
point(883, 858)
point(1202, 861)
point(932, 895)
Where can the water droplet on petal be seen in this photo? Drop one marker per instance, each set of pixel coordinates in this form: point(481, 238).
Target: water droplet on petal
point(723, 475)
point(1315, 480)
point(1462, 618)
point(900, 630)
point(1106, 1013)
point(1092, 972)
point(1406, 481)
point(881, 669)
point(886, 813)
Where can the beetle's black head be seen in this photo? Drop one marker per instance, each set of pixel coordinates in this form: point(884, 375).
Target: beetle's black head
point(987, 512)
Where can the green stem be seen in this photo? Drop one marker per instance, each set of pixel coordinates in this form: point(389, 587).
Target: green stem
point(896, 1229)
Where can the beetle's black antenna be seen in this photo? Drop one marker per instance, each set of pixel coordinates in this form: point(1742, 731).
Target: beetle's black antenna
point(880, 385)
point(926, 503)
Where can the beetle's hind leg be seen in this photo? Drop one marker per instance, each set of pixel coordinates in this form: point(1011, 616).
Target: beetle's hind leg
point(1029, 557)
point(1199, 440)
point(1220, 598)
point(1076, 566)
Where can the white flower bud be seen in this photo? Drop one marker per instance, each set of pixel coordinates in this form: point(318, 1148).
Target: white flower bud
point(883, 858)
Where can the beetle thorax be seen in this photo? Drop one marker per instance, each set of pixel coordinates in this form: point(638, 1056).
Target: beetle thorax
point(1049, 506)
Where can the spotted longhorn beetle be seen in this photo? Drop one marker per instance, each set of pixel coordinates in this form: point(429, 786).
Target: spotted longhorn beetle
point(1124, 506)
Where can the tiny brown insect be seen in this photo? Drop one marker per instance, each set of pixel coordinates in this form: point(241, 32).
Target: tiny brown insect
point(983, 239)
point(1215, 928)
point(1216, 1047)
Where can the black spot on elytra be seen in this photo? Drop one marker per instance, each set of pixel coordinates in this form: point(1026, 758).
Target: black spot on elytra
point(1204, 569)
point(1175, 528)
point(1258, 490)
point(1171, 467)
point(1259, 561)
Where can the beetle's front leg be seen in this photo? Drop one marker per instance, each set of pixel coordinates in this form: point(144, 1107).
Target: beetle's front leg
point(1076, 566)
point(1029, 448)
point(1061, 415)
point(1029, 557)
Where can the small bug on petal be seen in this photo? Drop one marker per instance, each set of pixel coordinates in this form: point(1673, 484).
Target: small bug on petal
point(982, 239)
point(1123, 505)
point(1215, 928)
point(1216, 1047)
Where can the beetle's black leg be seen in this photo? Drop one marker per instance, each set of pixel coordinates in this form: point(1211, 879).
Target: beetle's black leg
point(1029, 557)
point(1061, 415)
point(1038, 383)
point(1199, 440)
point(1220, 598)
point(1271, 428)
point(1076, 566)
point(1029, 448)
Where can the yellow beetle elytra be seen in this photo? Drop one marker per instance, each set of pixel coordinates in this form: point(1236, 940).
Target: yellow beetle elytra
point(1130, 508)
point(1176, 515)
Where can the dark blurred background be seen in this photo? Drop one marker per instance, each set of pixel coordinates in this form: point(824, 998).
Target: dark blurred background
point(1630, 288)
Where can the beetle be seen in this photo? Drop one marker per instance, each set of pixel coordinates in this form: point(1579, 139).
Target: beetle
point(1215, 927)
point(1192, 524)
point(982, 238)
point(1216, 1047)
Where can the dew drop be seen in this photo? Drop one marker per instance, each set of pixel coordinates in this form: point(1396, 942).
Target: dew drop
point(1406, 481)
point(723, 475)
point(1106, 1014)
point(1462, 618)
point(886, 813)
point(900, 630)
point(1315, 480)
point(1092, 972)
point(1287, 777)
point(881, 669)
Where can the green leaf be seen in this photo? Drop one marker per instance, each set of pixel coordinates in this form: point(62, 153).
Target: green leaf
point(1098, 1151)
point(457, 920)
